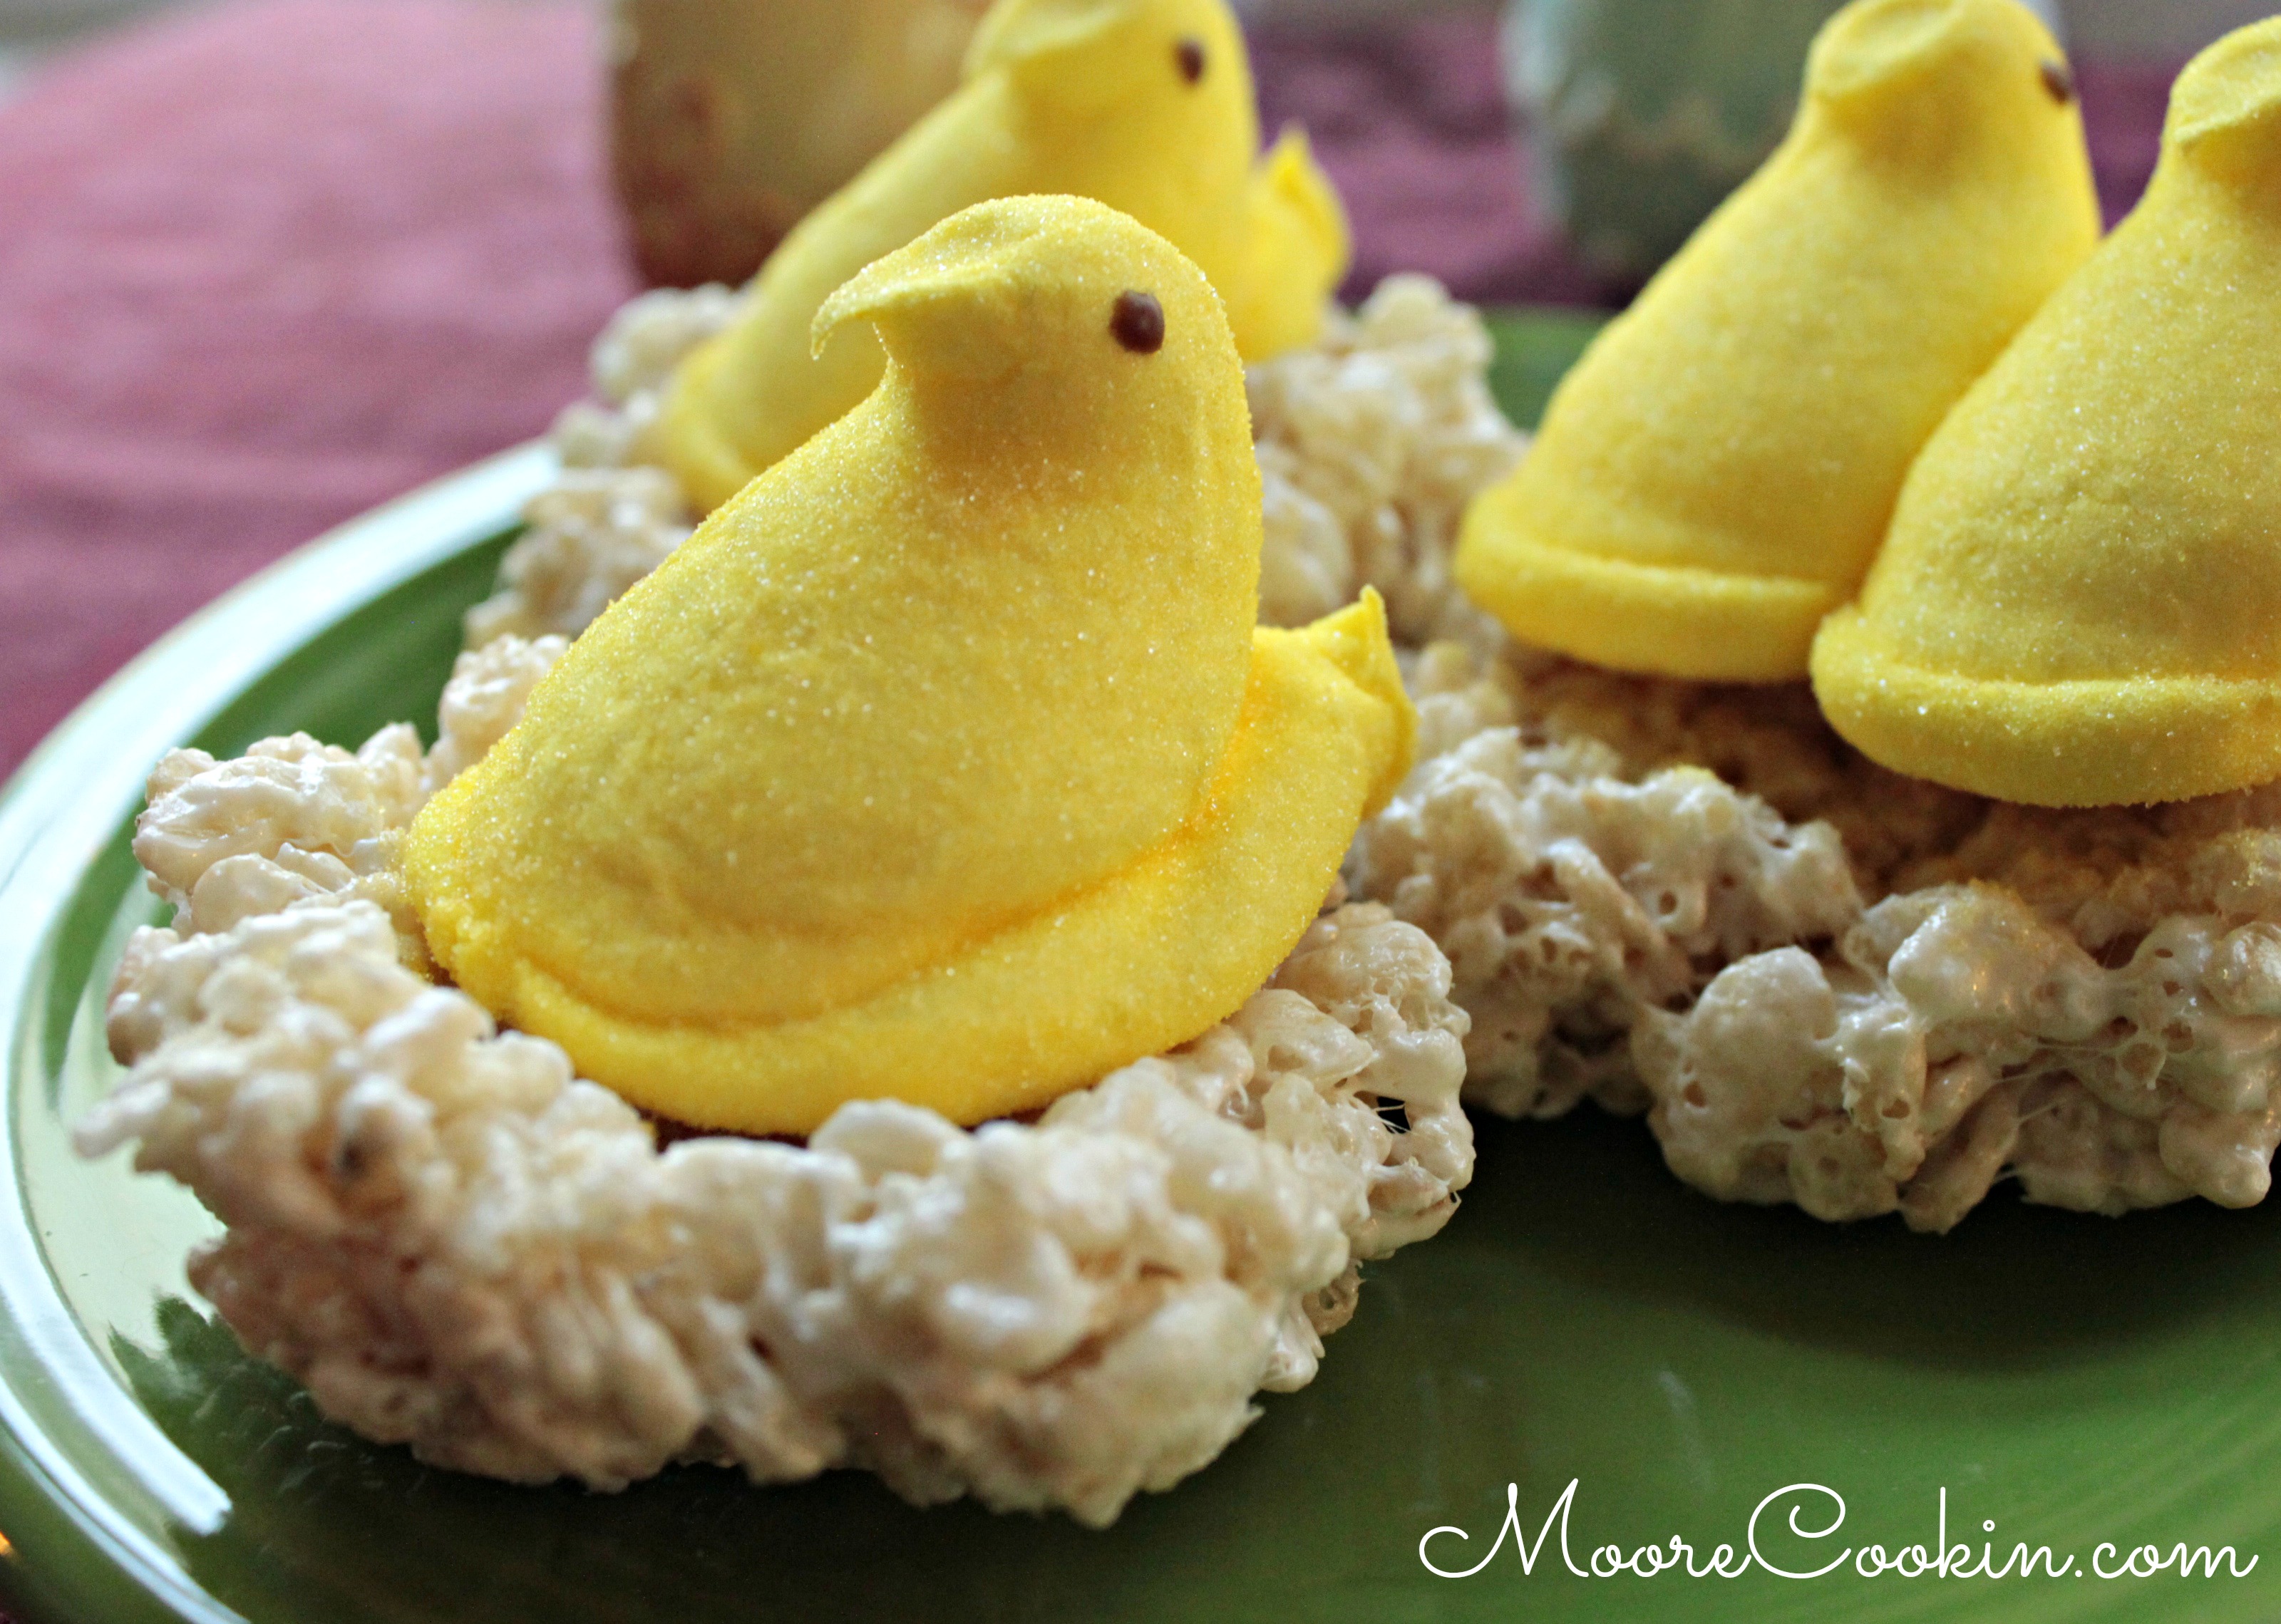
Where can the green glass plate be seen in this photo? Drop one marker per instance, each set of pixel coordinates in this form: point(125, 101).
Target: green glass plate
point(1585, 1319)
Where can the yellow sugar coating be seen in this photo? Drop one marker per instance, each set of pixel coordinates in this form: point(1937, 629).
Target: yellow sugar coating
point(2080, 601)
point(1716, 473)
point(1146, 106)
point(945, 762)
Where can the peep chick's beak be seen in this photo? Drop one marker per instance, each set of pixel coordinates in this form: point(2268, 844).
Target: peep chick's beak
point(2225, 109)
point(1894, 66)
point(955, 309)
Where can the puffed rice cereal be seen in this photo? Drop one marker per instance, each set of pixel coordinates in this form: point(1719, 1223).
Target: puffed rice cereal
point(1823, 982)
point(456, 1243)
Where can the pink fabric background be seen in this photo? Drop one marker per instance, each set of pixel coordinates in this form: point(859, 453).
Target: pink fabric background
point(263, 267)
point(268, 264)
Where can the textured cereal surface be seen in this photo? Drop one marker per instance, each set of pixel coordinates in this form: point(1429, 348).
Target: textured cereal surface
point(1370, 442)
point(631, 363)
point(608, 520)
point(1825, 983)
point(586, 539)
point(457, 1245)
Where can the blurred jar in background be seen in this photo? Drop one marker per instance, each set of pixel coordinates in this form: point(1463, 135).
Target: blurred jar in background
point(732, 118)
point(1643, 114)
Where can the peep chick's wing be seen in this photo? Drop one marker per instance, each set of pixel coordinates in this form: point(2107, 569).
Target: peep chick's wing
point(2080, 601)
point(968, 682)
point(1717, 473)
point(1143, 104)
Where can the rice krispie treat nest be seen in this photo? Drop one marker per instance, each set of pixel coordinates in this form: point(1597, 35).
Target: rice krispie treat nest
point(1826, 983)
point(456, 1243)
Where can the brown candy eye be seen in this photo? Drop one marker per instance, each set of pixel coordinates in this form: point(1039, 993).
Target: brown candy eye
point(1138, 321)
point(1189, 55)
point(2058, 81)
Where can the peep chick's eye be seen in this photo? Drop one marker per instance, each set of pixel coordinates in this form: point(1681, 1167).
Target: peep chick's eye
point(2057, 79)
point(1138, 321)
point(1189, 56)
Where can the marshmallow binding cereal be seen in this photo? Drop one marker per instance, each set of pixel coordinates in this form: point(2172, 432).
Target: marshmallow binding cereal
point(1143, 104)
point(1716, 473)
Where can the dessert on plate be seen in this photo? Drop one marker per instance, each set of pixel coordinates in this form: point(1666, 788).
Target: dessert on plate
point(945, 761)
point(1827, 980)
point(1009, 845)
point(1632, 861)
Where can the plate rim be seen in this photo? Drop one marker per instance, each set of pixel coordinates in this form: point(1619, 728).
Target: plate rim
point(66, 1551)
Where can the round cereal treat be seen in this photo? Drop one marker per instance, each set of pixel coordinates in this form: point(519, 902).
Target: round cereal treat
point(453, 1242)
point(1717, 473)
point(945, 762)
point(1143, 104)
point(2080, 601)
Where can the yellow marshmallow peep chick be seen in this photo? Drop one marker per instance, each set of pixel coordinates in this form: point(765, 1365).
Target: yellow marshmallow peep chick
point(2080, 603)
point(1715, 475)
point(1144, 104)
point(945, 762)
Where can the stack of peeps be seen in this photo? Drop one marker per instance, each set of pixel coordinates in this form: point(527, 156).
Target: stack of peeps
point(2079, 602)
point(1145, 105)
point(1716, 473)
point(1898, 366)
point(944, 761)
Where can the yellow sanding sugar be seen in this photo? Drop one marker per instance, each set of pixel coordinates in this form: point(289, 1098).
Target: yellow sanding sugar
point(1716, 473)
point(947, 757)
point(1143, 104)
point(2080, 603)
